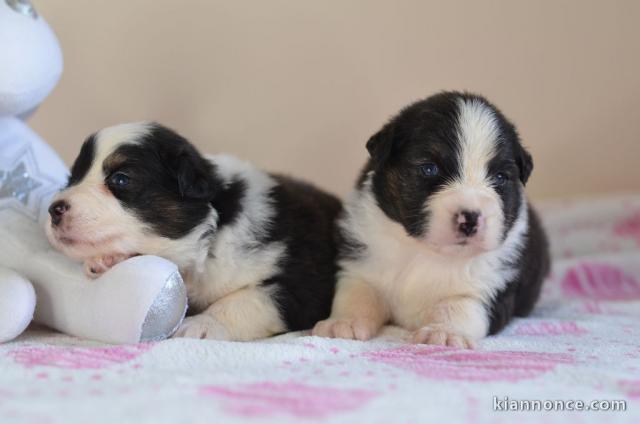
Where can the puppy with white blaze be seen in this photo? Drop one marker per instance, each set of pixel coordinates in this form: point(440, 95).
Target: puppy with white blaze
point(257, 251)
point(438, 236)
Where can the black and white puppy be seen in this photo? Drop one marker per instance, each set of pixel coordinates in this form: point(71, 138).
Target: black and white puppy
point(438, 236)
point(256, 251)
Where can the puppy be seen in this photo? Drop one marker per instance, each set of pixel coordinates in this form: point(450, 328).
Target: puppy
point(438, 236)
point(256, 251)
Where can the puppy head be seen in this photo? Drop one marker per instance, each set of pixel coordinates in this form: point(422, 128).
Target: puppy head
point(133, 188)
point(450, 169)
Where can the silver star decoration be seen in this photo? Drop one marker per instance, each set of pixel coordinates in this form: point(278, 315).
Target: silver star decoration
point(23, 187)
point(17, 183)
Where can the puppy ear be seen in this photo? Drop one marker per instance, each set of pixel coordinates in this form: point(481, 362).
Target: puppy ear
point(524, 162)
point(380, 145)
point(83, 162)
point(195, 176)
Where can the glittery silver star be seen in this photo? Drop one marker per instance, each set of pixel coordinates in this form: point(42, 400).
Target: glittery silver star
point(18, 184)
point(24, 188)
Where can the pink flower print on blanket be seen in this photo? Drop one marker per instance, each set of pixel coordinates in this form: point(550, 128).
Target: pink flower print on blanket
point(629, 227)
point(631, 388)
point(443, 363)
point(545, 328)
point(77, 357)
point(593, 280)
point(288, 398)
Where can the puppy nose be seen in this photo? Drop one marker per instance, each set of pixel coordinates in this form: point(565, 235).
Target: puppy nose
point(57, 210)
point(468, 222)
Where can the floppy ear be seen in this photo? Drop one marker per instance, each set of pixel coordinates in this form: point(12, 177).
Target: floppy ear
point(524, 162)
point(380, 145)
point(83, 162)
point(195, 175)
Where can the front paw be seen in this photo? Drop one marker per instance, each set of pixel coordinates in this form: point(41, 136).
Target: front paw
point(353, 329)
point(202, 327)
point(96, 266)
point(441, 336)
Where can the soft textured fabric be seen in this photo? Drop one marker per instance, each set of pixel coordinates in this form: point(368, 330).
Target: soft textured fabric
point(17, 303)
point(31, 60)
point(142, 298)
point(582, 342)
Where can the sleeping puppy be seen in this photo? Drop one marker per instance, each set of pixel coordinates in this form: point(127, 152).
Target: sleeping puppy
point(256, 251)
point(438, 236)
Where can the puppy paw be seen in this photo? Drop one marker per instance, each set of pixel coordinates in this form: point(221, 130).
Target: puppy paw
point(354, 329)
point(94, 267)
point(442, 337)
point(202, 327)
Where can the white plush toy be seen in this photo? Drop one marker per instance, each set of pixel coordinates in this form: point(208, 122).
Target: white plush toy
point(140, 299)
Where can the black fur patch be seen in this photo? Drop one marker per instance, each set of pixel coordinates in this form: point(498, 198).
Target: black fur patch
point(421, 133)
point(227, 202)
point(83, 162)
point(514, 162)
point(426, 132)
point(520, 295)
point(305, 221)
point(171, 186)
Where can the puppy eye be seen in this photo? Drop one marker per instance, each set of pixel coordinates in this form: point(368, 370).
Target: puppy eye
point(119, 179)
point(500, 179)
point(429, 169)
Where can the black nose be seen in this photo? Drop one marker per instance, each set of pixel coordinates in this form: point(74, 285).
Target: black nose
point(56, 210)
point(467, 222)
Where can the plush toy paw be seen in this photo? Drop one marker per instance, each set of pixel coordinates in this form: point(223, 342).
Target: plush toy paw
point(94, 267)
point(202, 326)
point(17, 302)
point(440, 336)
point(354, 329)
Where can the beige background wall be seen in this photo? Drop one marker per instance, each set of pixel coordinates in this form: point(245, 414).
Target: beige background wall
point(299, 86)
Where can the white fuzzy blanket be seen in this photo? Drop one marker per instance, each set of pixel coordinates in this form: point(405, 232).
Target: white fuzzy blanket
point(582, 343)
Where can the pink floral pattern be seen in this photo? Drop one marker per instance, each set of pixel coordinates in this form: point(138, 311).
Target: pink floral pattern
point(77, 357)
point(549, 329)
point(631, 388)
point(440, 363)
point(290, 398)
point(600, 281)
point(629, 227)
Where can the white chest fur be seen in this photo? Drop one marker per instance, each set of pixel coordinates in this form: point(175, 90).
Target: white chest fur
point(410, 276)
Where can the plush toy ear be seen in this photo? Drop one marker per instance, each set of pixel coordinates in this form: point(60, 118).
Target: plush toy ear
point(524, 162)
point(380, 145)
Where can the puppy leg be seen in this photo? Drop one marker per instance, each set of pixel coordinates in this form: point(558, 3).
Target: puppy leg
point(358, 312)
point(246, 314)
point(457, 322)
